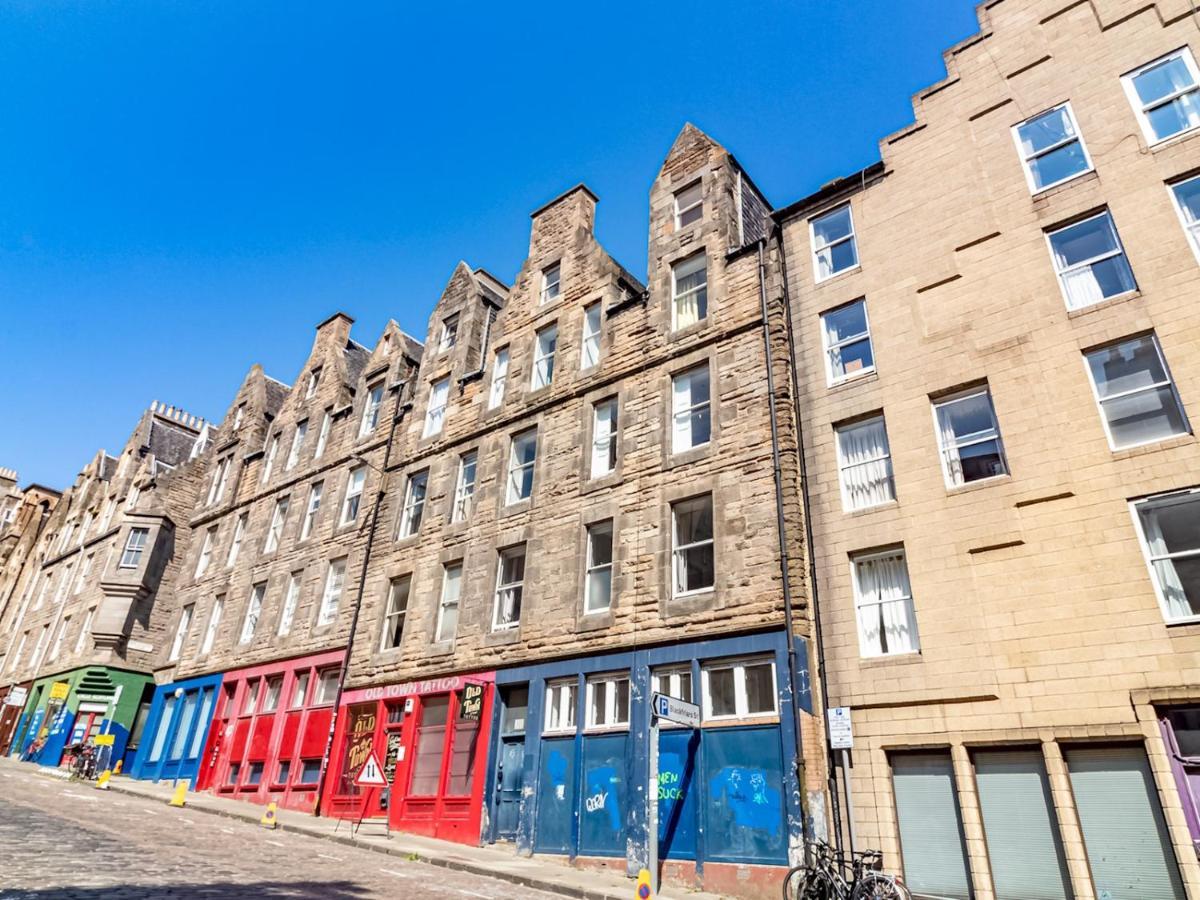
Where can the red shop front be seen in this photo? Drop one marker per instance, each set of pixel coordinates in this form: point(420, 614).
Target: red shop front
point(431, 738)
point(269, 731)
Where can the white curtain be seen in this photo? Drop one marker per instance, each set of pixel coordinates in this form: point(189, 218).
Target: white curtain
point(687, 310)
point(954, 474)
point(885, 612)
point(835, 355)
point(1083, 289)
point(602, 435)
point(867, 469)
point(691, 291)
point(681, 394)
point(1169, 583)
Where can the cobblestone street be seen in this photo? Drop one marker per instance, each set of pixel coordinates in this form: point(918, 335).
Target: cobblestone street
point(62, 840)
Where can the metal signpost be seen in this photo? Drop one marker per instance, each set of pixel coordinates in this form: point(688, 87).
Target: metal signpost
point(370, 776)
point(841, 737)
point(681, 713)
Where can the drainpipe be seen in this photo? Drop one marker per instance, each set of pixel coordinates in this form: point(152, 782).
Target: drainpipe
point(834, 802)
point(362, 580)
point(781, 529)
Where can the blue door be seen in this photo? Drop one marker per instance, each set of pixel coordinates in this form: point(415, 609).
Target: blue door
point(510, 779)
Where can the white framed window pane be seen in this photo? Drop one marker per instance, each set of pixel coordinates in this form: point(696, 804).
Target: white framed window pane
point(847, 341)
point(598, 587)
point(759, 679)
point(447, 623)
point(297, 444)
point(689, 205)
point(214, 621)
point(354, 489)
point(560, 706)
point(509, 589)
point(235, 545)
point(449, 335)
point(694, 563)
point(499, 378)
point(1051, 148)
point(1166, 97)
point(1090, 261)
point(865, 464)
point(543, 358)
point(834, 246)
point(334, 582)
point(1186, 195)
point(520, 467)
point(883, 597)
point(291, 598)
point(370, 414)
point(720, 696)
point(253, 611)
point(674, 682)
point(604, 438)
point(551, 283)
point(690, 290)
point(314, 506)
point(323, 435)
point(590, 353)
point(414, 504)
point(395, 614)
point(691, 409)
point(1136, 396)
point(1170, 529)
point(969, 438)
point(464, 491)
point(181, 630)
point(435, 414)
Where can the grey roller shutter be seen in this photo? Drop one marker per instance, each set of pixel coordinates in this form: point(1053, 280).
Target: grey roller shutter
point(1123, 828)
point(1018, 820)
point(931, 835)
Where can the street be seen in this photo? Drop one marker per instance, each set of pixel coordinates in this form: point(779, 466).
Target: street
point(65, 840)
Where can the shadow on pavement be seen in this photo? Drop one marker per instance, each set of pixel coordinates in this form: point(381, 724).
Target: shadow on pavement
point(214, 890)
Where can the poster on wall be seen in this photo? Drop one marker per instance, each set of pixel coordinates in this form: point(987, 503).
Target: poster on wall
point(471, 707)
point(392, 756)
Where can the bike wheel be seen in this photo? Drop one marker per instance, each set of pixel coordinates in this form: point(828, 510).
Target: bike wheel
point(793, 883)
point(875, 886)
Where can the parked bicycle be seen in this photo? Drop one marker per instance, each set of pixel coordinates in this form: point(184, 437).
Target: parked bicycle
point(83, 762)
point(829, 875)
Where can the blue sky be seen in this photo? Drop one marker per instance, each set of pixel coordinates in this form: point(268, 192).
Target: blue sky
point(188, 188)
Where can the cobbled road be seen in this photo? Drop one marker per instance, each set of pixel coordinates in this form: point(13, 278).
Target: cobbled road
point(61, 841)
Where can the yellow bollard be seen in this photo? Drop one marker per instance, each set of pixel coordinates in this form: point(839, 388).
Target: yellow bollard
point(643, 886)
point(117, 768)
point(102, 780)
point(268, 819)
point(177, 799)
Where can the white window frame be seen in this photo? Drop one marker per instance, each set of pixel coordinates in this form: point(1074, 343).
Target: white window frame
point(1191, 230)
point(514, 468)
point(84, 570)
point(1140, 109)
point(287, 610)
point(609, 681)
point(1169, 382)
point(446, 601)
point(206, 551)
point(372, 404)
point(81, 638)
point(502, 586)
point(449, 333)
point(269, 459)
point(323, 434)
point(131, 556)
point(278, 523)
point(861, 599)
point(413, 511)
point(464, 491)
point(1134, 508)
point(844, 465)
point(315, 492)
point(1061, 274)
point(812, 242)
point(214, 622)
point(1026, 159)
point(562, 703)
point(679, 414)
point(979, 437)
point(682, 210)
point(551, 288)
point(542, 375)
point(435, 412)
point(355, 486)
point(676, 296)
point(589, 350)
point(832, 378)
point(669, 680)
point(391, 615)
point(604, 453)
point(254, 605)
point(741, 701)
point(298, 437)
point(499, 378)
point(314, 379)
point(331, 596)
point(590, 566)
point(678, 550)
point(235, 545)
point(56, 649)
point(217, 488)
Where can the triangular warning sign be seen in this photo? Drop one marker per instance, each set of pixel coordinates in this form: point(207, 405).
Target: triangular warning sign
point(371, 773)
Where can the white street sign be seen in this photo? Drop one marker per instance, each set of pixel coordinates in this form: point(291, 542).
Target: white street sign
point(841, 735)
point(677, 711)
point(370, 775)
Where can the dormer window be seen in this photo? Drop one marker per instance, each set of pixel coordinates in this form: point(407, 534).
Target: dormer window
point(449, 336)
point(314, 379)
point(551, 284)
point(370, 414)
point(297, 444)
point(237, 416)
point(689, 290)
point(689, 205)
point(269, 462)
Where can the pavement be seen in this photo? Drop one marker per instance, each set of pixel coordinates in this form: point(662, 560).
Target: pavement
point(61, 840)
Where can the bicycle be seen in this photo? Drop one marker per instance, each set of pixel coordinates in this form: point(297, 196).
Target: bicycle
point(831, 876)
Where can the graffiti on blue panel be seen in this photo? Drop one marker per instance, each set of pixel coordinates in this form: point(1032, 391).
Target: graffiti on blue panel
point(677, 794)
point(602, 807)
point(744, 785)
point(754, 805)
point(555, 797)
point(602, 797)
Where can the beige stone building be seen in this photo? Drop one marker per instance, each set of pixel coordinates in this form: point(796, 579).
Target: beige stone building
point(998, 341)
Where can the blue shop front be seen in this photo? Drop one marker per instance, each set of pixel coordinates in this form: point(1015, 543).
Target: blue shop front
point(176, 730)
point(570, 759)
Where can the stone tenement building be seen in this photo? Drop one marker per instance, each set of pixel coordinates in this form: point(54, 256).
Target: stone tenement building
point(998, 341)
point(88, 609)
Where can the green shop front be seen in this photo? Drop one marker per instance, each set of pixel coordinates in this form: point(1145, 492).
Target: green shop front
point(79, 706)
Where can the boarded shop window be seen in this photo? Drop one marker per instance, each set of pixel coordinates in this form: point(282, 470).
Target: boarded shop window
point(556, 788)
point(931, 834)
point(744, 811)
point(1022, 830)
point(431, 742)
point(604, 805)
point(462, 755)
point(1126, 838)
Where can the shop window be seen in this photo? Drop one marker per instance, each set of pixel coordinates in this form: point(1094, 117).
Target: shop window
point(932, 845)
point(462, 755)
point(431, 742)
point(254, 774)
point(284, 772)
point(516, 709)
point(201, 728)
point(395, 713)
point(271, 697)
point(164, 727)
point(607, 701)
point(231, 778)
point(310, 771)
point(300, 691)
point(360, 742)
point(560, 706)
point(739, 689)
point(674, 682)
point(250, 700)
point(327, 685)
point(185, 724)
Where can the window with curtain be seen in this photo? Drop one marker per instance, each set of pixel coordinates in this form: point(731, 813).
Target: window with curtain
point(1137, 398)
point(834, 246)
point(1170, 533)
point(435, 413)
point(969, 437)
point(464, 487)
point(883, 602)
point(1090, 261)
point(689, 291)
point(604, 437)
point(1186, 195)
point(522, 457)
point(499, 378)
point(691, 409)
point(447, 618)
point(865, 464)
point(1165, 95)
point(510, 589)
point(1051, 148)
point(414, 504)
point(847, 337)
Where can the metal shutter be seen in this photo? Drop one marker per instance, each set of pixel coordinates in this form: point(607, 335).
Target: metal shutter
point(931, 835)
point(1022, 835)
point(1123, 829)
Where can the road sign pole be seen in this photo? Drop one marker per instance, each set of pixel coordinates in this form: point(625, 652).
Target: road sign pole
point(849, 799)
point(652, 804)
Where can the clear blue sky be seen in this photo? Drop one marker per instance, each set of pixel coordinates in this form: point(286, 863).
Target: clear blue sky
point(188, 188)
